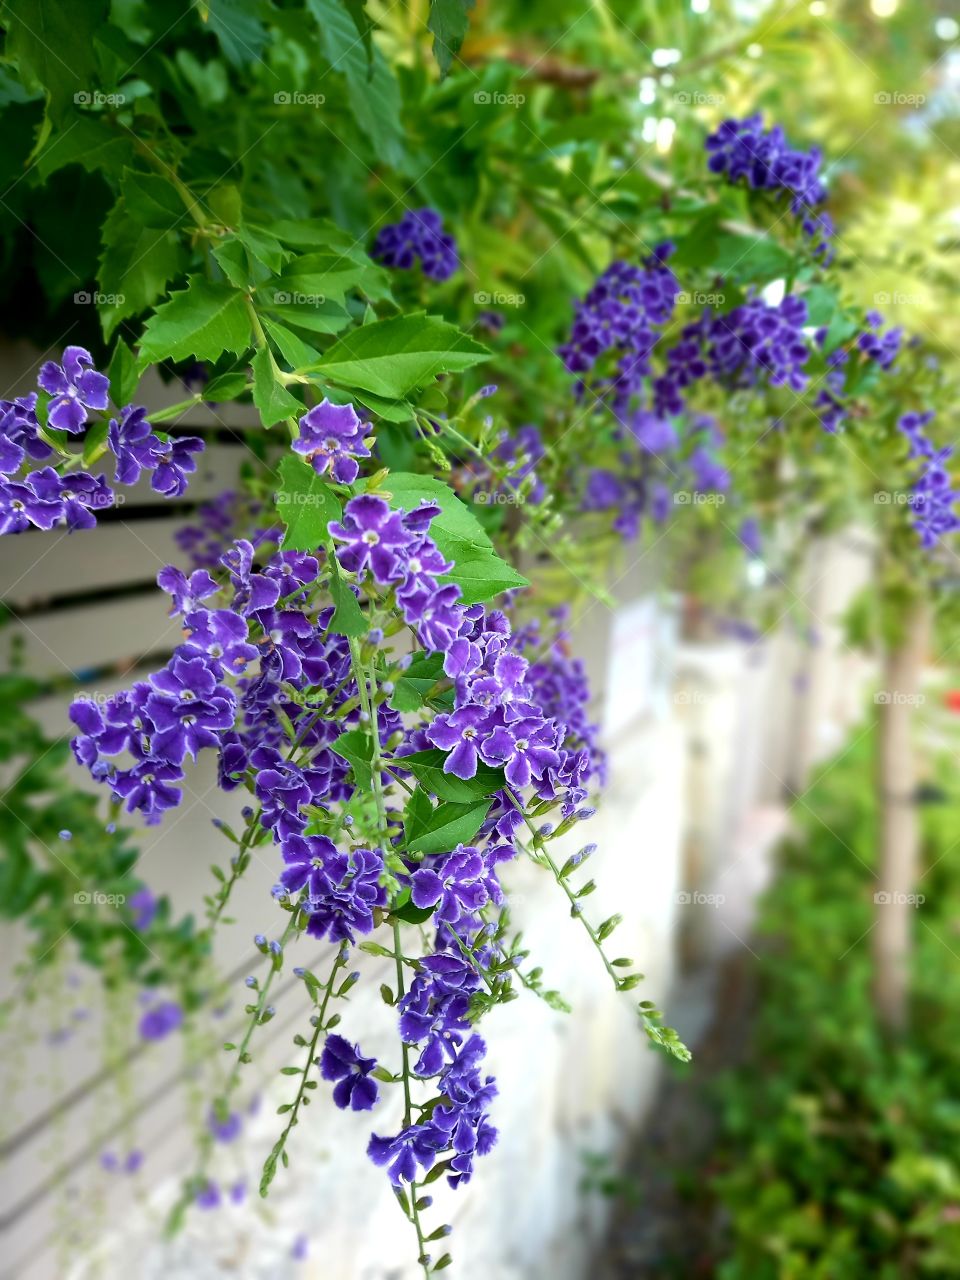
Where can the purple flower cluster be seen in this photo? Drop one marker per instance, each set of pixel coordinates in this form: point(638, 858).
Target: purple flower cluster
point(418, 234)
point(744, 149)
point(331, 439)
point(752, 343)
point(622, 314)
point(933, 497)
point(45, 496)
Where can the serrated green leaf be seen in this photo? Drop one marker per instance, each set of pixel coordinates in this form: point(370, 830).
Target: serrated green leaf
point(449, 23)
point(391, 357)
point(201, 321)
point(151, 200)
point(271, 398)
point(136, 265)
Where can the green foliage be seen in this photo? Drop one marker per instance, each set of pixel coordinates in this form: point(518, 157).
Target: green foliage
point(841, 1149)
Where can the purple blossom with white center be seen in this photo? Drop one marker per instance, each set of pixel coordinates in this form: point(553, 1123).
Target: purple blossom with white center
point(331, 439)
point(222, 636)
point(460, 733)
point(78, 494)
point(524, 749)
point(149, 787)
point(307, 859)
point(435, 1010)
point(21, 508)
point(455, 886)
point(346, 903)
point(418, 234)
point(373, 535)
point(20, 434)
point(187, 593)
point(411, 1147)
point(75, 387)
point(343, 1062)
point(189, 706)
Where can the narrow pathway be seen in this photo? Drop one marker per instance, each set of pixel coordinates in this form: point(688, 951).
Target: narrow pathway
point(667, 1225)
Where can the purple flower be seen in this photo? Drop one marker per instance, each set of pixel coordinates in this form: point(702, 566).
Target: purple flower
point(144, 906)
point(133, 444)
point(77, 493)
point(524, 749)
point(372, 535)
point(307, 859)
point(175, 461)
point(75, 387)
point(189, 706)
point(456, 887)
point(419, 234)
point(459, 733)
point(416, 1145)
point(225, 1130)
point(346, 903)
point(160, 1020)
point(21, 508)
point(147, 787)
point(344, 1063)
point(331, 439)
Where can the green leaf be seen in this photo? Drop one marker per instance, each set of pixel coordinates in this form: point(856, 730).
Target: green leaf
point(231, 257)
point(419, 678)
point(750, 258)
point(356, 747)
point(372, 88)
point(416, 815)
point(87, 141)
point(272, 399)
point(447, 826)
point(293, 349)
point(306, 504)
point(53, 45)
point(391, 357)
point(237, 25)
point(409, 912)
point(348, 618)
point(479, 571)
point(329, 273)
point(226, 386)
point(151, 200)
point(135, 266)
point(427, 768)
point(449, 23)
point(201, 321)
point(123, 374)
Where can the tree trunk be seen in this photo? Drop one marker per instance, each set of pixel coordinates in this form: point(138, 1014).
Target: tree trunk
point(899, 832)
